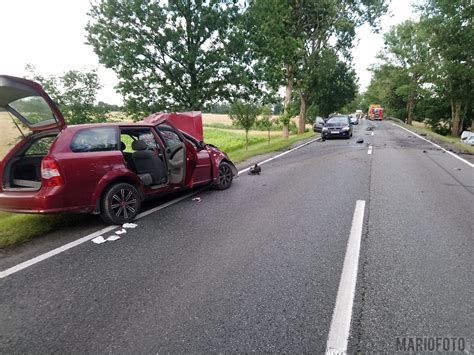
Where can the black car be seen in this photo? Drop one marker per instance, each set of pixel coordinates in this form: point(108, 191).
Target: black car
point(318, 124)
point(337, 126)
point(354, 119)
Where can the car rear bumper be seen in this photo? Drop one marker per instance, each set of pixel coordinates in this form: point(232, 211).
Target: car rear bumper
point(46, 200)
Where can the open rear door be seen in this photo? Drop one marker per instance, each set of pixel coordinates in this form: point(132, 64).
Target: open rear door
point(29, 103)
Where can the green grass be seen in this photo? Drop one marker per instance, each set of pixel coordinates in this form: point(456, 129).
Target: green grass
point(440, 139)
point(233, 143)
point(16, 229)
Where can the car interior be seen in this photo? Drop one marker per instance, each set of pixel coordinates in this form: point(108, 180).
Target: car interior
point(23, 171)
point(143, 156)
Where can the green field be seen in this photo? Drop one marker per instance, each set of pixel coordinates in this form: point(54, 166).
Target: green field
point(16, 229)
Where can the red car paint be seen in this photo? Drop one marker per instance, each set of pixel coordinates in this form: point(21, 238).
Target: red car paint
point(75, 181)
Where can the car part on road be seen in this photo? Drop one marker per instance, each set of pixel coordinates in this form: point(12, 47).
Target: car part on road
point(225, 177)
point(255, 170)
point(120, 204)
point(360, 141)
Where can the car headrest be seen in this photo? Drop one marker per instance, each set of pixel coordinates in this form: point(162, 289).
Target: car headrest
point(122, 146)
point(139, 145)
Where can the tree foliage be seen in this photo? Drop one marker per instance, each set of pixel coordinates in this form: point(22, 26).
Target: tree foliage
point(244, 115)
point(266, 121)
point(75, 94)
point(173, 55)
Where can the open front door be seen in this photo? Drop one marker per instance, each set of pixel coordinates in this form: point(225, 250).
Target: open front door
point(175, 152)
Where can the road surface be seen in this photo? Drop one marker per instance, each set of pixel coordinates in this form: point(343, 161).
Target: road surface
point(257, 268)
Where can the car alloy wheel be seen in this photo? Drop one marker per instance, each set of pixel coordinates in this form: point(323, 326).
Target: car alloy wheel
point(225, 177)
point(121, 203)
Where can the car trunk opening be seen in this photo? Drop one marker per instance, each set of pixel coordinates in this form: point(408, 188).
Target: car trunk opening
point(23, 170)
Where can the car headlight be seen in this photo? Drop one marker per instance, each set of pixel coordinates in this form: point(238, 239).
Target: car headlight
point(345, 128)
point(325, 128)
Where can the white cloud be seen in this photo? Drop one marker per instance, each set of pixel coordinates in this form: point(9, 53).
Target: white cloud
point(369, 44)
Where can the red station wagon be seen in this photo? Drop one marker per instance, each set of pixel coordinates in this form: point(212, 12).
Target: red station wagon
point(107, 168)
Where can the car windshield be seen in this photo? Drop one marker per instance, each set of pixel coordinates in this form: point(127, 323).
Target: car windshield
point(337, 120)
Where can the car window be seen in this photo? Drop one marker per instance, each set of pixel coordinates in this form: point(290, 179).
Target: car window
point(338, 120)
point(34, 109)
point(95, 140)
point(127, 138)
point(170, 137)
point(40, 147)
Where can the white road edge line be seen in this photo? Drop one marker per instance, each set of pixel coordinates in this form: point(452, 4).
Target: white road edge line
point(281, 154)
point(105, 230)
point(436, 145)
point(370, 150)
point(341, 317)
point(82, 240)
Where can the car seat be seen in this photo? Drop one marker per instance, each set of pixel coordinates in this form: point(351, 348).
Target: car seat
point(149, 167)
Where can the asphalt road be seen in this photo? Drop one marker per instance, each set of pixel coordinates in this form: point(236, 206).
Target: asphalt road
point(256, 268)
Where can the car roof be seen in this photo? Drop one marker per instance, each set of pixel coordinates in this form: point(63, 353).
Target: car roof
point(109, 124)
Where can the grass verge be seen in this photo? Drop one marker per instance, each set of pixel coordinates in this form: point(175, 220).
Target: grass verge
point(16, 229)
point(448, 142)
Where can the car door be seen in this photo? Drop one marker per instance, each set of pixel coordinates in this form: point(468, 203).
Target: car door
point(179, 156)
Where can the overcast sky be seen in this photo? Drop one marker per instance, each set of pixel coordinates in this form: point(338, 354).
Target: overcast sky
point(50, 35)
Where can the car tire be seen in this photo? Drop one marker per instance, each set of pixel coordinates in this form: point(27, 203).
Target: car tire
point(120, 204)
point(224, 180)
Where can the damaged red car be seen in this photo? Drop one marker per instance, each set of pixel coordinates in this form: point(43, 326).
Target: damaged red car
point(106, 168)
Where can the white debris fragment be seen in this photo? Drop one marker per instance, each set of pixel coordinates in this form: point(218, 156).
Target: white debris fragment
point(129, 225)
point(122, 231)
point(197, 199)
point(113, 238)
point(99, 240)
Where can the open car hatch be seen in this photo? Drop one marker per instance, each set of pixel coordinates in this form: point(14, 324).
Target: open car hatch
point(29, 103)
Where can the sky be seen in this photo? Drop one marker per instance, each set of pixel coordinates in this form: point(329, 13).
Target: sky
point(50, 35)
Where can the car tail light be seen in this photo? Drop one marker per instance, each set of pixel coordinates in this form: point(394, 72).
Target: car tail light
point(50, 172)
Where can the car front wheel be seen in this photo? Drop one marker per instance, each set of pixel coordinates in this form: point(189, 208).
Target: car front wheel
point(120, 204)
point(224, 180)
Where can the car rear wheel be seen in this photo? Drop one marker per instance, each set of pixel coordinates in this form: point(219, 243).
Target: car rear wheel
point(120, 204)
point(225, 177)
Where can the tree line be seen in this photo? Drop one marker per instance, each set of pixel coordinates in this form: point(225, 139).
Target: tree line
point(198, 54)
point(426, 71)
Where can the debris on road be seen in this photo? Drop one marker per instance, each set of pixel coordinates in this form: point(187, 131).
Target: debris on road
point(423, 134)
point(370, 128)
point(424, 151)
point(122, 231)
point(99, 240)
point(129, 225)
point(360, 141)
point(113, 238)
point(197, 199)
point(255, 170)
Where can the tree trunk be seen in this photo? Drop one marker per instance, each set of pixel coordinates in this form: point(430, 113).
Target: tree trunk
point(289, 89)
point(410, 106)
point(301, 120)
point(455, 116)
point(268, 136)
point(246, 140)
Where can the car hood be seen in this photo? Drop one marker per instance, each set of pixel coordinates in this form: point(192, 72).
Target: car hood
point(188, 122)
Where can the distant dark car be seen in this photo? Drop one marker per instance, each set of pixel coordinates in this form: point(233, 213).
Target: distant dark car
point(318, 124)
point(337, 126)
point(354, 119)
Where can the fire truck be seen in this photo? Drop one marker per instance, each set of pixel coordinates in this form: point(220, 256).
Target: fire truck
point(375, 112)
